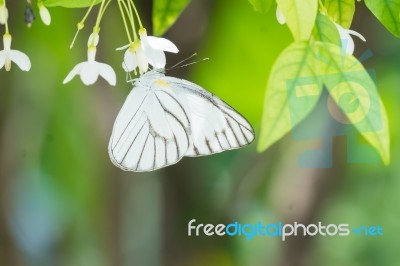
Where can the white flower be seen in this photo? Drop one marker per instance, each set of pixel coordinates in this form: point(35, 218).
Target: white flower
point(91, 69)
point(3, 13)
point(279, 16)
point(44, 14)
point(154, 48)
point(7, 56)
point(347, 41)
point(149, 50)
point(135, 57)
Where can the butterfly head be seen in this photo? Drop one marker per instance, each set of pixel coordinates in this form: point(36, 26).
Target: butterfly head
point(148, 78)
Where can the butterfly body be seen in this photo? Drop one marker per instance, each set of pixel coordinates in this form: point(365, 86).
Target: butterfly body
point(166, 118)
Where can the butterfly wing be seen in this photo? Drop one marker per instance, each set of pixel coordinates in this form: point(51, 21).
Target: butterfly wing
point(215, 126)
point(152, 130)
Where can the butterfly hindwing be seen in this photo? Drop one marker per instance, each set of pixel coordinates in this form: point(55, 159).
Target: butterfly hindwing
point(215, 125)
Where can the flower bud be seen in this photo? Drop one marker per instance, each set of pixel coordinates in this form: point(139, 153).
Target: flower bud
point(3, 13)
point(44, 14)
point(93, 39)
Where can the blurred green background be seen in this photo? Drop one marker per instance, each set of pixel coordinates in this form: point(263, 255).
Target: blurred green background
point(64, 203)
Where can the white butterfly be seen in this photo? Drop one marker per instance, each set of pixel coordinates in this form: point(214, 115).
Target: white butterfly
point(165, 118)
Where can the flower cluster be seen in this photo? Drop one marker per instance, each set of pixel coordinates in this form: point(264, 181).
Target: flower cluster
point(345, 34)
point(141, 52)
point(8, 55)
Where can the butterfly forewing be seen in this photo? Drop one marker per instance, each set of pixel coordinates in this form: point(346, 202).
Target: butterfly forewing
point(151, 131)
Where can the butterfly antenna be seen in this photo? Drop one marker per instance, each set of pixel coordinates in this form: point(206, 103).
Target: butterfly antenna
point(192, 63)
point(184, 60)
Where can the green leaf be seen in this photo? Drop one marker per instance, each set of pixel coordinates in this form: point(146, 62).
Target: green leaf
point(70, 3)
point(165, 13)
point(388, 13)
point(341, 11)
point(295, 86)
point(325, 30)
point(291, 95)
point(262, 6)
point(344, 76)
point(300, 16)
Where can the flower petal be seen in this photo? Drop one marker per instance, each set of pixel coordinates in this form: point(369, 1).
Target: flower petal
point(89, 73)
point(348, 45)
point(162, 44)
point(347, 41)
point(107, 72)
point(156, 58)
point(3, 57)
point(76, 70)
point(129, 63)
point(21, 59)
point(279, 16)
point(44, 14)
point(142, 60)
point(355, 33)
